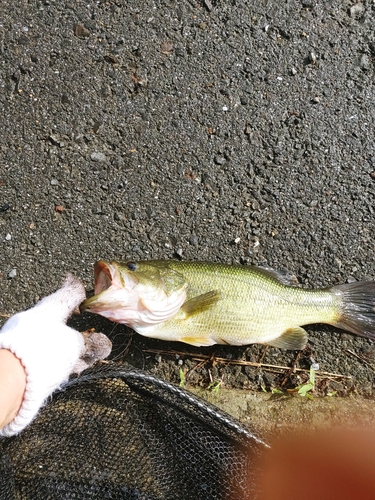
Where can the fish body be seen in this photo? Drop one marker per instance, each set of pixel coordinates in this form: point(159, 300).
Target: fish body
point(203, 303)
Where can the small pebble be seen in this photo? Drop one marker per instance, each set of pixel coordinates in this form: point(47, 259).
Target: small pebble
point(54, 182)
point(8, 237)
point(179, 51)
point(208, 5)
point(100, 157)
point(81, 31)
point(365, 61)
point(166, 47)
point(12, 274)
point(356, 10)
point(219, 160)
point(293, 71)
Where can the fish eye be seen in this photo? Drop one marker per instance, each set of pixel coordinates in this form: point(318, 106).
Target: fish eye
point(132, 266)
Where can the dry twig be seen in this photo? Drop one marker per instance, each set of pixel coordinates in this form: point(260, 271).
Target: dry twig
point(361, 358)
point(273, 368)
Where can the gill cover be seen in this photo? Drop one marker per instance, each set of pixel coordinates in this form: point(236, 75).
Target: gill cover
point(136, 294)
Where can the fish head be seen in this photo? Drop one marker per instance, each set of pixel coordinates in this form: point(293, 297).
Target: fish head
point(136, 293)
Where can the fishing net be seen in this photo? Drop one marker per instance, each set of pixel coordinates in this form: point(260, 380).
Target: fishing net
point(118, 433)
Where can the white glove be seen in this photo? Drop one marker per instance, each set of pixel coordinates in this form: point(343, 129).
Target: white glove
point(48, 349)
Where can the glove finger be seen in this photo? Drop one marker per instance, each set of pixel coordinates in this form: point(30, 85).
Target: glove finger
point(97, 347)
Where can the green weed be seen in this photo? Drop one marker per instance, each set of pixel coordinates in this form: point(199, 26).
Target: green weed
point(214, 386)
point(305, 390)
point(182, 378)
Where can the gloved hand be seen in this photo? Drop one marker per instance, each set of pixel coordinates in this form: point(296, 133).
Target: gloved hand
point(48, 349)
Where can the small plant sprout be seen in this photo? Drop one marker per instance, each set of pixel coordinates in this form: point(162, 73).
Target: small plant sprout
point(182, 378)
point(215, 385)
point(306, 389)
point(275, 390)
point(261, 382)
point(331, 394)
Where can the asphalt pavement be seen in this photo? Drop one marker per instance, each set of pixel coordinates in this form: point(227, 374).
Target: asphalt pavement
point(230, 131)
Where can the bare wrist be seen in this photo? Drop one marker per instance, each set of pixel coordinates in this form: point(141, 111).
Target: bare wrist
point(12, 386)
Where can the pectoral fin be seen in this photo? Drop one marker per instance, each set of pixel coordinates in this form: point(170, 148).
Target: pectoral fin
point(200, 303)
point(293, 338)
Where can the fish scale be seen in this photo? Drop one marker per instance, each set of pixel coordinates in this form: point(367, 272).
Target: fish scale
point(253, 306)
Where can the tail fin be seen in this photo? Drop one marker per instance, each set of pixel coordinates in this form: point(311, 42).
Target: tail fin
point(357, 304)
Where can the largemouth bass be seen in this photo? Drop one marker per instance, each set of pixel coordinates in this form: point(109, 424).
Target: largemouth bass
point(206, 303)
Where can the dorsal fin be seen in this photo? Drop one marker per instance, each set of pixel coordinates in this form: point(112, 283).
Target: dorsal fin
point(281, 275)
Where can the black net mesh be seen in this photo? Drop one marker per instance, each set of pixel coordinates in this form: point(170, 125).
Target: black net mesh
point(115, 433)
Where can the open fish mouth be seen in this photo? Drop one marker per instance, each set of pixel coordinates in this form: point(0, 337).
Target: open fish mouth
point(106, 275)
point(107, 278)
